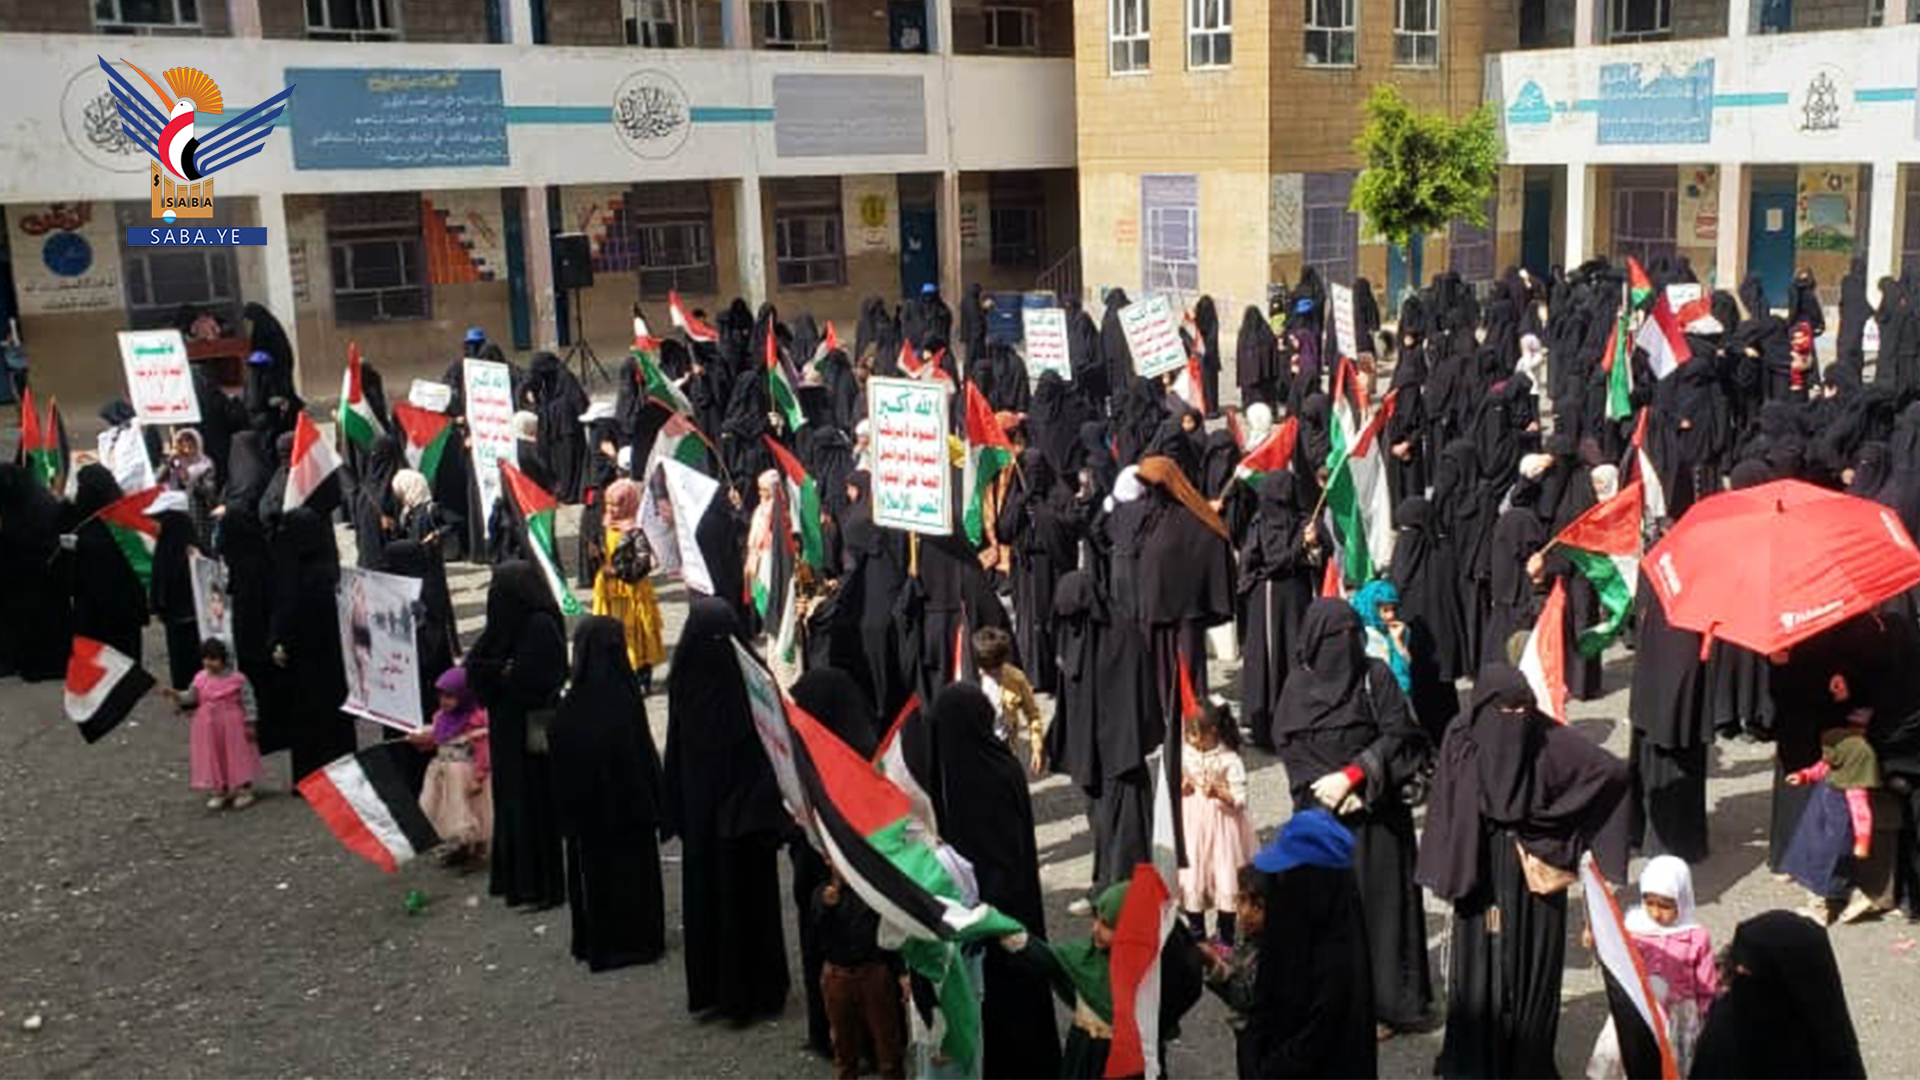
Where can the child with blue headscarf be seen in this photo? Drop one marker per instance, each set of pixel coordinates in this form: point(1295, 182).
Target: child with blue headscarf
point(1378, 604)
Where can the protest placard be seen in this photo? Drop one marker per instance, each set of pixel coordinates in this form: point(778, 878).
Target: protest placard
point(1045, 332)
point(431, 396)
point(377, 647)
point(489, 426)
point(159, 377)
point(212, 608)
point(1153, 337)
point(770, 724)
point(912, 472)
point(1341, 299)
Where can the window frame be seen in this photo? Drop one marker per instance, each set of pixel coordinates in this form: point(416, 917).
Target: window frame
point(137, 271)
point(1349, 32)
point(1644, 247)
point(1619, 13)
point(401, 227)
point(383, 10)
point(1029, 253)
point(1170, 208)
point(663, 207)
point(683, 18)
point(1217, 37)
point(1430, 36)
point(1480, 242)
point(1325, 195)
point(118, 23)
point(832, 223)
point(1137, 40)
point(1027, 17)
point(770, 11)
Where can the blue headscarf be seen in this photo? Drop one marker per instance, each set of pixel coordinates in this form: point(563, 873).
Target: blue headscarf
point(1309, 838)
point(1367, 603)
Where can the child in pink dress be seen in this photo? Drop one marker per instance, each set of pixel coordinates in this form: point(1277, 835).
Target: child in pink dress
point(223, 744)
point(1678, 955)
point(1213, 808)
point(457, 796)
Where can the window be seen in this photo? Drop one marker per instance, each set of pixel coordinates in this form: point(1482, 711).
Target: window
point(142, 16)
point(1330, 231)
point(1016, 235)
point(661, 24)
point(1910, 232)
point(807, 229)
point(794, 24)
point(1470, 249)
point(351, 20)
point(1128, 40)
point(160, 281)
point(1416, 33)
point(1012, 29)
point(1209, 33)
point(1171, 252)
point(1639, 20)
point(1776, 16)
point(1644, 213)
point(1330, 32)
point(673, 237)
point(378, 272)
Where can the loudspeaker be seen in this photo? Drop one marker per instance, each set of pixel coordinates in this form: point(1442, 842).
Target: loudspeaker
point(572, 261)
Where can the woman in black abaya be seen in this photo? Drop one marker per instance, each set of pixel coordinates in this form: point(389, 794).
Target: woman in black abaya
point(1782, 1010)
point(436, 634)
point(1423, 570)
point(1257, 368)
point(606, 776)
point(1206, 319)
point(305, 636)
point(1667, 752)
point(370, 507)
point(1116, 356)
point(721, 802)
point(973, 324)
point(1275, 586)
point(109, 604)
point(241, 542)
point(517, 668)
point(554, 395)
point(1511, 581)
point(1349, 743)
point(1042, 523)
point(35, 615)
point(983, 810)
point(1516, 800)
point(171, 590)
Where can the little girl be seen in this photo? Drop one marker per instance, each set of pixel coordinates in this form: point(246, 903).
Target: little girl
point(457, 797)
point(1213, 808)
point(223, 746)
point(1678, 955)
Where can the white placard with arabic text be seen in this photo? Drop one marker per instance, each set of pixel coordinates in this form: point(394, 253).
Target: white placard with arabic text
point(912, 474)
point(489, 426)
point(159, 376)
point(1153, 337)
point(1045, 334)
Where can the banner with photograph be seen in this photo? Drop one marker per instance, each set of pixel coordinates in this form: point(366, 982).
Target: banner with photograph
point(377, 644)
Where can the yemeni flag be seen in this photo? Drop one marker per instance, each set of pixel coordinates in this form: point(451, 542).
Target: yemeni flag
point(988, 452)
point(537, 510)
point(781, 388)
point(428, 435)
point(1604, 545)
point(680, 441)
point(689, 323)
point(358, 424)
point(103, 685)
point(133, 532)
point(894, 860)
point(803, 498)
point(1639, 285)
point(1638, 1022)
point(655, 384)
point(1357, 491)
point(365, 800)
point(1191, 385)
point(1618, 364)
point(1663, 339)
point(1643, 471)
point(1274, 453)
point(1544, 661)
point(313, 461)
point(1333, 584)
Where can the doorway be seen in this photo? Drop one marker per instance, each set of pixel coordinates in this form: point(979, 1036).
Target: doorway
point(1770, 237)
point(919, 249)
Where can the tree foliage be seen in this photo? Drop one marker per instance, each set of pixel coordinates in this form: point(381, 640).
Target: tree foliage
point(1423, 171)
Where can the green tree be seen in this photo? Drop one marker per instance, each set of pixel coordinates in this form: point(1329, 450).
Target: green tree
point(1423, 171)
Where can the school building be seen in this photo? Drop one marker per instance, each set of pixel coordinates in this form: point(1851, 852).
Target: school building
point(437, 154)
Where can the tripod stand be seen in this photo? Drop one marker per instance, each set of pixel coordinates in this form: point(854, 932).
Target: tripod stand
point(581, 352)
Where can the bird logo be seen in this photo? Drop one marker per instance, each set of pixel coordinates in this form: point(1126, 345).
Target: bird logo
point(171, 134)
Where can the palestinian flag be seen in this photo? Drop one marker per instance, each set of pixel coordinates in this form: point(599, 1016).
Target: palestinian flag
point(1643, 471)
point(781, 388)
point(365, 800)
point(1604, 545)
point(895, 862)
point(358, 424)
point(1663, 339)
point(537, 509)
point(1638, 1022)
point(133, 531)
point(891, 758)
point(1333, 583)
point(988, 452)
point(1357, 492)
point(1544, 661)
point(688, 494)
point(60, 449)
point(1639, 285)
point(1274, 453)
point(313, 461)
point(103, 685)
point(1190, 385)
point(762, 587)
point(829, 344)
point(655, 384)
point(428, 435)
point(642, 333)
point(1618, 364)
point(803, 497)
point(680, 441)
point(37, 450)
point(688, 323)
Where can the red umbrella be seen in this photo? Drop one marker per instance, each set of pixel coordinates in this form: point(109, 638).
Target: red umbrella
point(1770, 566)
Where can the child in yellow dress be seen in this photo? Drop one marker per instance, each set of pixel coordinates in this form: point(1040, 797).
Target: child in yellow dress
point(621, 589)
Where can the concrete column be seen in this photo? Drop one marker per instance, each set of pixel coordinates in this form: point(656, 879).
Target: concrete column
point(750, 241)
point(949, 224)
point(277, 268)
point(736, 24)
point(536, 231)
point(243, 18)
point(940, 27)
point(1579, 215)
point(520, 27)
point(1586, 25)
point(1883, 232)
point(1739, 18)
point(1730, 246)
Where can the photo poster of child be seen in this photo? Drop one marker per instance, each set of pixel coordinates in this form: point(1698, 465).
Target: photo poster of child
point(211, 606)
point(378, 647)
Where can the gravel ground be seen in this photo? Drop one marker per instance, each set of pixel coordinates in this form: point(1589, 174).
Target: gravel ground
point(141, 934)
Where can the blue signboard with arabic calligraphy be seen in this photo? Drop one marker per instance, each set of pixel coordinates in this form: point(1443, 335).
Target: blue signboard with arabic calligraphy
point(1668, 108)
point(398, 118)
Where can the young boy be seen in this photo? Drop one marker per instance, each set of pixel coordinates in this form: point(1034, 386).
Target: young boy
point(1231, 977)
point(859, 984)
point(1016, 714)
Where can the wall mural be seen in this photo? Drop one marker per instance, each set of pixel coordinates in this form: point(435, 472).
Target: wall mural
point(1699, 204)
point(1824, 208)
point(462, 235)
point(600, 211)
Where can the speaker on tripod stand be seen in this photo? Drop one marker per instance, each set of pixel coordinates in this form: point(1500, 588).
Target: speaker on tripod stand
point(573, 271)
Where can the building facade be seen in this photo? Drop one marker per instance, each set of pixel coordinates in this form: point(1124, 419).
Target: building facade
point(807, 152)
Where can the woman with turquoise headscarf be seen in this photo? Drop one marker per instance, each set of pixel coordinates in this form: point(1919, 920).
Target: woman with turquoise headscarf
point(1378, 604)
